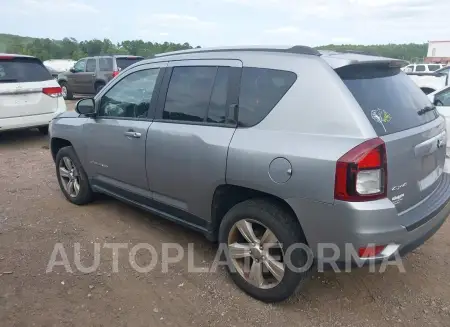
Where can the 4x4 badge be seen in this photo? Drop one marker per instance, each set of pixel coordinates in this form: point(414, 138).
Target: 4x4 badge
point(381, 117)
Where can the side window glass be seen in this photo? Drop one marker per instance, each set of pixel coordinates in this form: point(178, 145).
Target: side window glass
point(444, 98)
point(131, 96)
point(80, 65)
point(261, 90)
point(420, 68)
point(105, 64)
point(217, 112)
point(189, 93)
point(409, 69)
point(91, 65)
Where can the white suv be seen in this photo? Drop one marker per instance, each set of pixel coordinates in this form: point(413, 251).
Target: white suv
point(422, 68)
point(29, 96)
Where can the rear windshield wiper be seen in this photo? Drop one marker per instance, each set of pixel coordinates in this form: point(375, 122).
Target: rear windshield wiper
point(425, 110)
point(8, 80)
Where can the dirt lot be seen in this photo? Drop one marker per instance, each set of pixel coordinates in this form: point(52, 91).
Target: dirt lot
point(34, 216)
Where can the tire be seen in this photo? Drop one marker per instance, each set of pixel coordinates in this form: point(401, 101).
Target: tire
point(99, 87)
point(85, 194)
point(68, 93)
point(287, 230)
point(43, 130)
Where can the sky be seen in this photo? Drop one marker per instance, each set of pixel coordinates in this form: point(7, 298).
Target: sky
point(231, 22)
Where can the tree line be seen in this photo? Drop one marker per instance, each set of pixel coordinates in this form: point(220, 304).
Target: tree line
point(70, 48)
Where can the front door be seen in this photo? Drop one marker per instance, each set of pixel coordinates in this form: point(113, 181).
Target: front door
point(187, 143)
point(116, 155)
point(87, 79)
point(73, 76)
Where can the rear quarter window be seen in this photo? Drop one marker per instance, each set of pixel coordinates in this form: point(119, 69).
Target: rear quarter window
point(124, 62)
point(388, 97)
point(261, 90)
point(20, 70)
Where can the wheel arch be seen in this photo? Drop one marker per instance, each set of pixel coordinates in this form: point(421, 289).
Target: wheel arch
point(227, 196)
point(57, 144)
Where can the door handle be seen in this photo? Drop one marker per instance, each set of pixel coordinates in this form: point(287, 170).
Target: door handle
point(133, 134)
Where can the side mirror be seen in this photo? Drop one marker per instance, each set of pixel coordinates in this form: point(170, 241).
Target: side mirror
point(86, 107)
point(437, 102)
point(72, 70)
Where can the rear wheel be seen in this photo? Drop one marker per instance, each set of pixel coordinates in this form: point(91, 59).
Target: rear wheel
point(72, 178)
point(66, 92)
point(259, 237)
point(99, 87)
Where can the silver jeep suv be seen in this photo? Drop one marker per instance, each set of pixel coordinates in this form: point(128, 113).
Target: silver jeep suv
point(265, 150)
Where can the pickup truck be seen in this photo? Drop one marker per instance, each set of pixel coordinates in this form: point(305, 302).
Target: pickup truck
point(431, 81)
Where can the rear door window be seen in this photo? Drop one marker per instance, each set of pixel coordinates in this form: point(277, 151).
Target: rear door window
point(19, 70)
point(105, 64)
point(389, 98)
point(124, 62)
point(91, 65)
point(261, 90)
point(420, 68)
point(189, 93)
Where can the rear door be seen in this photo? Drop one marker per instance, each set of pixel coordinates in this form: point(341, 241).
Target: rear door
point(23, 81)
point(187, 144)
point(403, 116)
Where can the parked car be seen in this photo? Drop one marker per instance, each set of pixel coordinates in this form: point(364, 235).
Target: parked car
point(58, 66)
point(242, 145)
point(422, 68)
point(441, 99)
point(90, 75)
point(29, 96)
point(431, 82)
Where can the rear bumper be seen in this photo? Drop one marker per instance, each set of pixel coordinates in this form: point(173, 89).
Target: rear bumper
point(27, 121)
point(335, 230)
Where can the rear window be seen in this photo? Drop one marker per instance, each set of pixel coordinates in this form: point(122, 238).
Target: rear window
point(124, 62)
point(19, 70)
point(261, 90)
point(432, 68)
point(388, 97)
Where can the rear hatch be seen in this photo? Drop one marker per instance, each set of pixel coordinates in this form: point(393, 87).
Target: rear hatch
point(26, 87)
point(414, 133)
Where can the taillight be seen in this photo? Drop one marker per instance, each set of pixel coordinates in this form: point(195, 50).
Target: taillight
point(115, 73)
point(361, 173)
point(53, 92)
point(6, 57)
point(370, 251)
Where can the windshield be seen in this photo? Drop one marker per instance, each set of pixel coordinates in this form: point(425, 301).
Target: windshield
point(18, 70)
point(389, 98)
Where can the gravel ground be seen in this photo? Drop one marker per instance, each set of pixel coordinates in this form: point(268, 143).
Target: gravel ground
point(34, 216)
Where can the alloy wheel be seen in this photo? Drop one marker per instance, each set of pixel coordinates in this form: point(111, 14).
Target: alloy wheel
point(70, 178)
point(256, 253)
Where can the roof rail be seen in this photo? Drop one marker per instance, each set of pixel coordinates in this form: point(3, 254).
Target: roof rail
point(297, 49)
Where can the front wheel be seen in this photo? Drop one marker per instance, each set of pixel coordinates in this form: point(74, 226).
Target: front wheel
point(266, 250)
point(72, 178)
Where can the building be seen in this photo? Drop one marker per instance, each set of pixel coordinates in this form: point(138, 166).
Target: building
point(438, 52)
